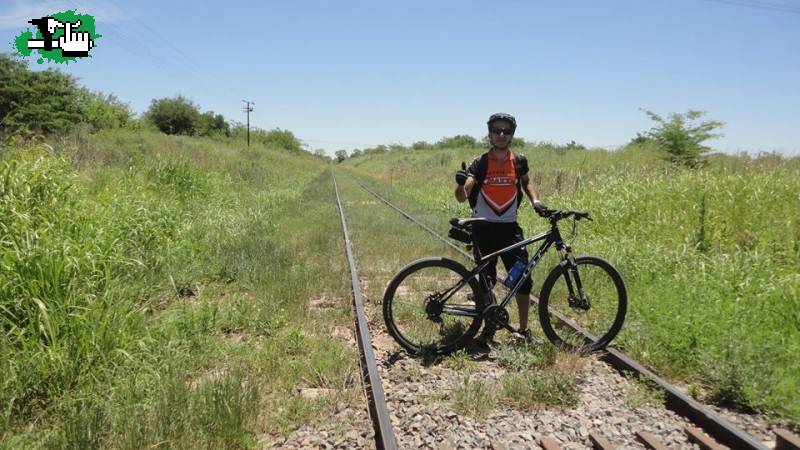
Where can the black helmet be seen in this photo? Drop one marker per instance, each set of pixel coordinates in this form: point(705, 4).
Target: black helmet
point(502, 116)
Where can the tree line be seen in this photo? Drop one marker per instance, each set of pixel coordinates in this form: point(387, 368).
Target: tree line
point(679, 136)
point(51, 102)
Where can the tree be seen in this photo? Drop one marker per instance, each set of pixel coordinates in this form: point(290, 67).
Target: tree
point(421, 145)
point(341, 155)
point(174, 115)
point(278, 138)
point(320, 153)
point(681, 137)
point(378, 150)
point(103, 111)
point(211, 124)
point(458, 141)
point(36, 102)
point(639, 139)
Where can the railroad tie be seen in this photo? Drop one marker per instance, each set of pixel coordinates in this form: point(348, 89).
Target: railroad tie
point(549, 443)
point(705, 442)
point(600, 443)
point(786, 440)
point(650, 441)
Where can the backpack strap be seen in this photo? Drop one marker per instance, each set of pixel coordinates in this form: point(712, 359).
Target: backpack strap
point(480, 176)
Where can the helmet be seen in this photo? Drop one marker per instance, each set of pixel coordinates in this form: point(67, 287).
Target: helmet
point(502, 116)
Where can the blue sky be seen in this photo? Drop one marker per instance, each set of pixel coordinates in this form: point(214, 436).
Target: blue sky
point(357, 74)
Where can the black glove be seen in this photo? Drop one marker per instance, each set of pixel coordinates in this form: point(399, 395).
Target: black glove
point(461, 175)
point(540, 208)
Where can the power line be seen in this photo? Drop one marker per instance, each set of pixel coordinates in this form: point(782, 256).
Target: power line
point(151, 45)
point(176, 52)
point(759, 4)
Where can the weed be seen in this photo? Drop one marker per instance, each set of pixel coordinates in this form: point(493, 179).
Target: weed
point(519, 358)
point(460, 361)
point(643, 392)
point(473, 398)
point(532, 389)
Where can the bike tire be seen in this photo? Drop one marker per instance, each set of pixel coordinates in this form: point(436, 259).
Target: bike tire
point(606, 290)
point(404, 307)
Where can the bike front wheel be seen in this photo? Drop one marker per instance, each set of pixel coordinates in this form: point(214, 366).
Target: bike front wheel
point(429, 306)
point(590, 296)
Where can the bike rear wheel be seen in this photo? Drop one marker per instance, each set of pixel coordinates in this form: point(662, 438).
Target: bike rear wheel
point(599, 310)
point(423, 310)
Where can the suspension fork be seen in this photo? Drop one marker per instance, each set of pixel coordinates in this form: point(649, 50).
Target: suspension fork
point(571, 268)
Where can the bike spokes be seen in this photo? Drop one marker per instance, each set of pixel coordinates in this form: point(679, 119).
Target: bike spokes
point(590, 297)
point(426, 311)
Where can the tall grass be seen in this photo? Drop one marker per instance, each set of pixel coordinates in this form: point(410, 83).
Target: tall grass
point(710, 256)
point(153, 293)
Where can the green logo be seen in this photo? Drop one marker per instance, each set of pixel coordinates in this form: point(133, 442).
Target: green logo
point(61, 37)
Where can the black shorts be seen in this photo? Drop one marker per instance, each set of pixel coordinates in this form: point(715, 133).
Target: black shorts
point(491, 237)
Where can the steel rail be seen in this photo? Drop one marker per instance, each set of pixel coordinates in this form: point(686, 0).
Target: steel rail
point(421, 225)
point(683, 405)
point(379, 411)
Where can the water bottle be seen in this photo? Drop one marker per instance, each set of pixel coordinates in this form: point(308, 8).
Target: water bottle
point(514, 274)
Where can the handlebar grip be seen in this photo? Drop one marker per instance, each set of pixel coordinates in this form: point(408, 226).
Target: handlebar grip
point(582, 215)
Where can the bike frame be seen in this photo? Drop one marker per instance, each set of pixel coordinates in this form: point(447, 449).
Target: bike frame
point(553, 236)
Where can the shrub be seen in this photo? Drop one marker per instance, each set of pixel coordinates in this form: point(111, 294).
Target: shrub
point(278, 138)
point(103, 111)
point(210, 124)
point(174, 115)
point(459, 141)
point(681, 138)
point(421, 145)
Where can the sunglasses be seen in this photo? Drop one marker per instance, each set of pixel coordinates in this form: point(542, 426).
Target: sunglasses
point(505, 131)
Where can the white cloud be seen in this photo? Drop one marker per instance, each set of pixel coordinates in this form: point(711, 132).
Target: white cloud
point(18, 12)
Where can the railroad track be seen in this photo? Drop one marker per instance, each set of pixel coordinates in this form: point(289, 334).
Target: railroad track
point(378, 410)
point(707, 429)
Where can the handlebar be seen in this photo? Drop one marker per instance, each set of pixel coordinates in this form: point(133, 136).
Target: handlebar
point(555, 215)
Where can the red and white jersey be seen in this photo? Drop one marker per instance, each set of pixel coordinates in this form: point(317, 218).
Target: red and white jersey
point(499, 195)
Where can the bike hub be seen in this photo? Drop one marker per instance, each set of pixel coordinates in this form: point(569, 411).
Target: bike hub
point(434, 307)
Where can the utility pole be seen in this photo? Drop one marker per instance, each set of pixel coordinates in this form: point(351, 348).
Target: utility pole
point(248, 108)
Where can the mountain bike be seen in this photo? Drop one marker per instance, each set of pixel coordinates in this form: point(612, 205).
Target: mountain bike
point(436, 305)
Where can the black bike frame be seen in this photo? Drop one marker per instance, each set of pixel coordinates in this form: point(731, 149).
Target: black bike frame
point(553, 236)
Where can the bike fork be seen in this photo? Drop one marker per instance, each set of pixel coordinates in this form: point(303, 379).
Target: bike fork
point(571, 268)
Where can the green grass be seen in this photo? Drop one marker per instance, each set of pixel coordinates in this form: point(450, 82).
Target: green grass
point(154, 290)
point(474, 398)
point(461, 362)
point(643, 392)
point(538, 389)
point(709, 256)
point(526, 357)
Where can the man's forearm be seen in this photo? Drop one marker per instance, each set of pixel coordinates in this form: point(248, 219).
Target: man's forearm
point(532, 191)
point(461, 194)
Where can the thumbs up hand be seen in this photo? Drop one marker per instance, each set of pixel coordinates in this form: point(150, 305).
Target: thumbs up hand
point(461, 175)
point(75, 43)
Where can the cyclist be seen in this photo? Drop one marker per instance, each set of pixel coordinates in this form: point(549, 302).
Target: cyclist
point(493, 183)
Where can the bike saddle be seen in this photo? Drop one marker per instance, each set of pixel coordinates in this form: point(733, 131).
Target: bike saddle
point(456, 222)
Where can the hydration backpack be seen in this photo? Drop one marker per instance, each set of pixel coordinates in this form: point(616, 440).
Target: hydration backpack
point(480, 176)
